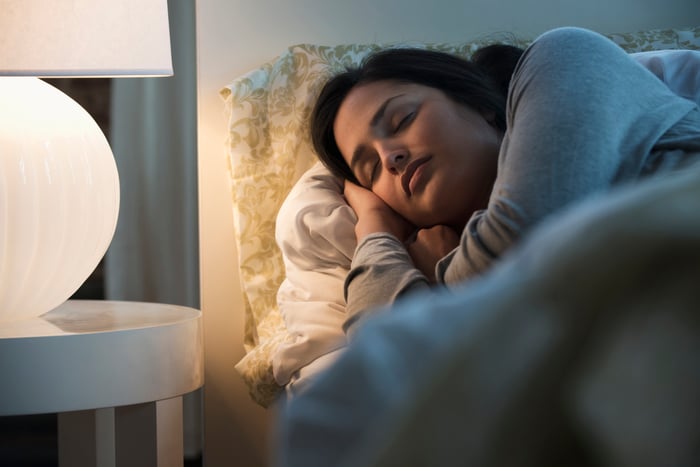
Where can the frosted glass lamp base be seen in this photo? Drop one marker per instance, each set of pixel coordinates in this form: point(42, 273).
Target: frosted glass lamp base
point(59, 197)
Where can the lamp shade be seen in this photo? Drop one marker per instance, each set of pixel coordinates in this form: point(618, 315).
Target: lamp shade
point(59, 186)
point(84, 38)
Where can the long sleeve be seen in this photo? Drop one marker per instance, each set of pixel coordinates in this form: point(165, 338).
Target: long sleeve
point(381, 272)
point(582, 117)
point(578, 124)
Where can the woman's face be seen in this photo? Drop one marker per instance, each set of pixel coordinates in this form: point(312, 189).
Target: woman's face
point(430, 159)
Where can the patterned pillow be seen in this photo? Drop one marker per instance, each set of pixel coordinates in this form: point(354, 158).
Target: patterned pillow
point(269, 149)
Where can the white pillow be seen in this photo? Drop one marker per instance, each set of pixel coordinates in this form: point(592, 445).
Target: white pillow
point(679, 69)
point(316, 232)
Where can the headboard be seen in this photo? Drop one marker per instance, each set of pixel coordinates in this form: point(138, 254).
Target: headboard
point(269, 149)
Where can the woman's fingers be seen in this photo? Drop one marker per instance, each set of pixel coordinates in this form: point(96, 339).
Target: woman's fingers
point(361, 199)
point(430, 246)
point(374, 215)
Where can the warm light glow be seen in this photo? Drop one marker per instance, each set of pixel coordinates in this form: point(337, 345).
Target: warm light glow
point(59, 197)
point(84, 38)
point(59, 187)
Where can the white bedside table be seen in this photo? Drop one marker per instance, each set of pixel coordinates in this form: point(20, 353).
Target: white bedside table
point(115, 373)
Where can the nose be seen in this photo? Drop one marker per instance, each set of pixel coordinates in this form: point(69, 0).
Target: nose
point(394, 159)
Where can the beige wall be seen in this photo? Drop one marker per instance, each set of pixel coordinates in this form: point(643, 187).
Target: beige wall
point(235, 36)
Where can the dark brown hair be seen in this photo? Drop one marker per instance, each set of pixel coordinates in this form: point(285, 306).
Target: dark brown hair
point(480, 83)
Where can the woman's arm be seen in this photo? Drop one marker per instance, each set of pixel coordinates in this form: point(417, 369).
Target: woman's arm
point(382, 269)
point(582, 116)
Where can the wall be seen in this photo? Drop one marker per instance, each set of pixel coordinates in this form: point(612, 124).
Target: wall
point(234, 36)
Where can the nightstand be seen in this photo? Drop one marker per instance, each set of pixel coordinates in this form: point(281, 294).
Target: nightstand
point(115, 372)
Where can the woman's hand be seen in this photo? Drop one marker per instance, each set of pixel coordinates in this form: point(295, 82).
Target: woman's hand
point(430, 246)
point(374, 215)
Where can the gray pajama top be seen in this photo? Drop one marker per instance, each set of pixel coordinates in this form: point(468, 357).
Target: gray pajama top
point(582, 117)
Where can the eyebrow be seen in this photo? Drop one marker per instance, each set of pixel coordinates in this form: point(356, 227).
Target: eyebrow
point(376, 118)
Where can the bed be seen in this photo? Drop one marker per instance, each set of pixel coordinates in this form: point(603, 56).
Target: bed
point(293, 230)
point(583, 356)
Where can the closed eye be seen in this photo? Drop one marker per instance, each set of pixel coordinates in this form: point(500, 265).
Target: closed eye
point(375, 172)
point(404, 121)
point(371, 167)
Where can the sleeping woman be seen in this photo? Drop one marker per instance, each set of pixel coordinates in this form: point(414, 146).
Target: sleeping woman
point(448, 163)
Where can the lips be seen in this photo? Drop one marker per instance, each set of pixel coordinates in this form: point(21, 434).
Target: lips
point(409, 172)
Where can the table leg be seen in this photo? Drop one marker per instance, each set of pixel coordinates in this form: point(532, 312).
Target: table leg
point(150, 434)
point(86, 438)
point(140, 435)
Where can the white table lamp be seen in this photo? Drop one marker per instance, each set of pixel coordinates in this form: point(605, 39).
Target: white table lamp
point(59, 187)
